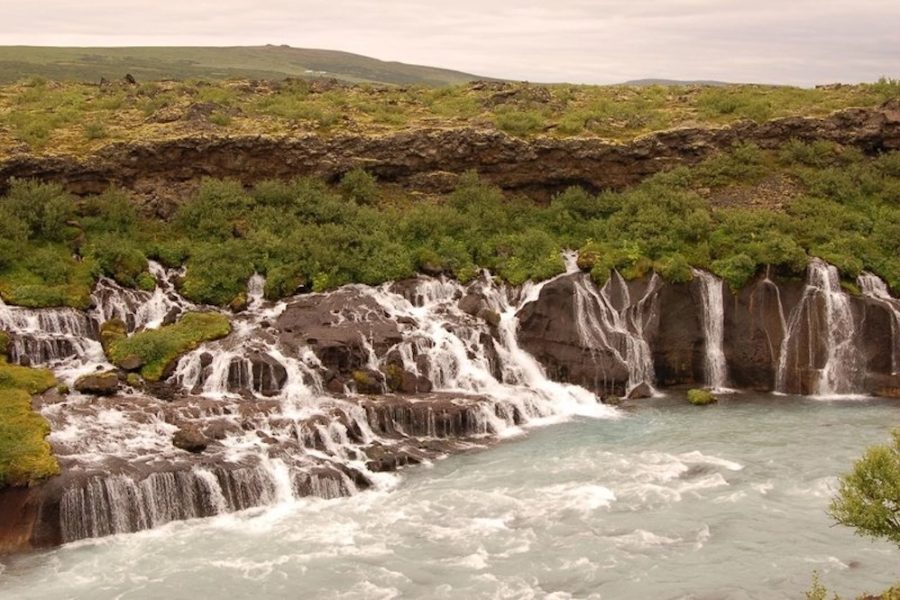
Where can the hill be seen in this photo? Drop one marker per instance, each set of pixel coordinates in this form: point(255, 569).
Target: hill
point(247, 62)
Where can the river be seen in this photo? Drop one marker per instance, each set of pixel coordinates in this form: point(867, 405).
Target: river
point(668, 501)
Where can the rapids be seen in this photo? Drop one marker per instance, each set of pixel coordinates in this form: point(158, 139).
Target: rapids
point(670, 501)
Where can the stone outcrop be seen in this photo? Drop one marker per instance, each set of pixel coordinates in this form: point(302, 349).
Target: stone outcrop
point(99, 384)
point(755, 324)
point(430, 159)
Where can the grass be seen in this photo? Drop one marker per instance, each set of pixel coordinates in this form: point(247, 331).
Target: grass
point(159, 348)
point(25, 454)
point(78, 118)
point(251, 62)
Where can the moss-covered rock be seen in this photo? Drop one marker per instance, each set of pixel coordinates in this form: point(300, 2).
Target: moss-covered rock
point(160, 348)
point(25, 455)
point(112, 330)
point(368, 382)
point(699, 397)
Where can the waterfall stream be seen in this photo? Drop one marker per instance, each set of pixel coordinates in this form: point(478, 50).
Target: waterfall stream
point(713, 304)
point(818, 346)
point(874, 287)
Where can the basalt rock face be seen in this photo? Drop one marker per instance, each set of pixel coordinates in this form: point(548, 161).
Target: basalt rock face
point(430, 159)
point(550, 330)
point(779, 334)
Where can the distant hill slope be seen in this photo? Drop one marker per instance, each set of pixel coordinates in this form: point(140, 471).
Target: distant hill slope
point(247, 62)
point(669, 82)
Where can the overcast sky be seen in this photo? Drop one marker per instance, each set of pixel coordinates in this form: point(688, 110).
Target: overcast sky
point(587, 41)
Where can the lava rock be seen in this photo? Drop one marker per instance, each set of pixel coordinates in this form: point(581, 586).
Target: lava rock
point(98, 384)
point(190, 439)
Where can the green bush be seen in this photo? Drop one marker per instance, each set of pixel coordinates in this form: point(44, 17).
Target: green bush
point(359, 186)
point(869, 496)
point(519, 122)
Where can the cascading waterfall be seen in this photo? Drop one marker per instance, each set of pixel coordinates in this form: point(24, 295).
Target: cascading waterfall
point(619, 331)
point(874, 287)
point(823, 320)
point(139, 309)
point(712, 299)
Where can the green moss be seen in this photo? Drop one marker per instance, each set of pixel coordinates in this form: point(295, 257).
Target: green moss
point(699, 397)
point(159, 348)
point(4, 344)
point(25, 455)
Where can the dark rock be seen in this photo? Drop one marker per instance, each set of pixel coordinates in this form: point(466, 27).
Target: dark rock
point(641, 390)
point(190, 439)
point(98, 384)
point(549, 330)
point(341, 344)
point(491, 317)
point(368, 381)
point(171, 316)
point(129, 79)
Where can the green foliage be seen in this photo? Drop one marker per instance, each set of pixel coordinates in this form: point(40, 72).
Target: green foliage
point(518, 122)
point(43, 208)
point(120, 260)
point(843, 207)
point(25, 455)
point(159, 348)
point(359, 186)
point(869, 496)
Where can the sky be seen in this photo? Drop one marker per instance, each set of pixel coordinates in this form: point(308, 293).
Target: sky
point(800, 42)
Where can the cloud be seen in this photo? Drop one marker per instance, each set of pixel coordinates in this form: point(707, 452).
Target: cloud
point(592, 41)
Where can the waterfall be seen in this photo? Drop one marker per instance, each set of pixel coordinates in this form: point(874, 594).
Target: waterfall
point(276, 435)
point(620, 331)
point(874, 287)
point(139, 309)
point(713, 303)
point(818, 347)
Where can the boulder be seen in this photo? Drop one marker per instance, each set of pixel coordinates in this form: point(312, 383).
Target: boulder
point(98, 384)
point(132, 362)
point(368, 381)
point(341, 328)
point(190, 439)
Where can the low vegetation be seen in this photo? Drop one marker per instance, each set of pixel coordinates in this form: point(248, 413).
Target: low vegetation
point(77, 118)
point(156, 349)
point(25, 454)
point(869, 496)
point(304, 234)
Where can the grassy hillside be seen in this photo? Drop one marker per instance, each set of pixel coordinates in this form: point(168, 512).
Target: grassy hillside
point(250, 62)
point(40, 115)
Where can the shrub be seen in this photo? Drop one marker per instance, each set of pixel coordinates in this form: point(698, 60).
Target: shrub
point(869, 496)
point(359, 186)
point(521, 123)
point(44, 208)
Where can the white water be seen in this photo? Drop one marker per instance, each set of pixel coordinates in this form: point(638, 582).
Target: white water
point(713, 303)
point(648, 506)
point(872, 286)
point(823, 310)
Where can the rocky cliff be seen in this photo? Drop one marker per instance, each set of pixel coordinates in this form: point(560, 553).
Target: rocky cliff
point(161, 172)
